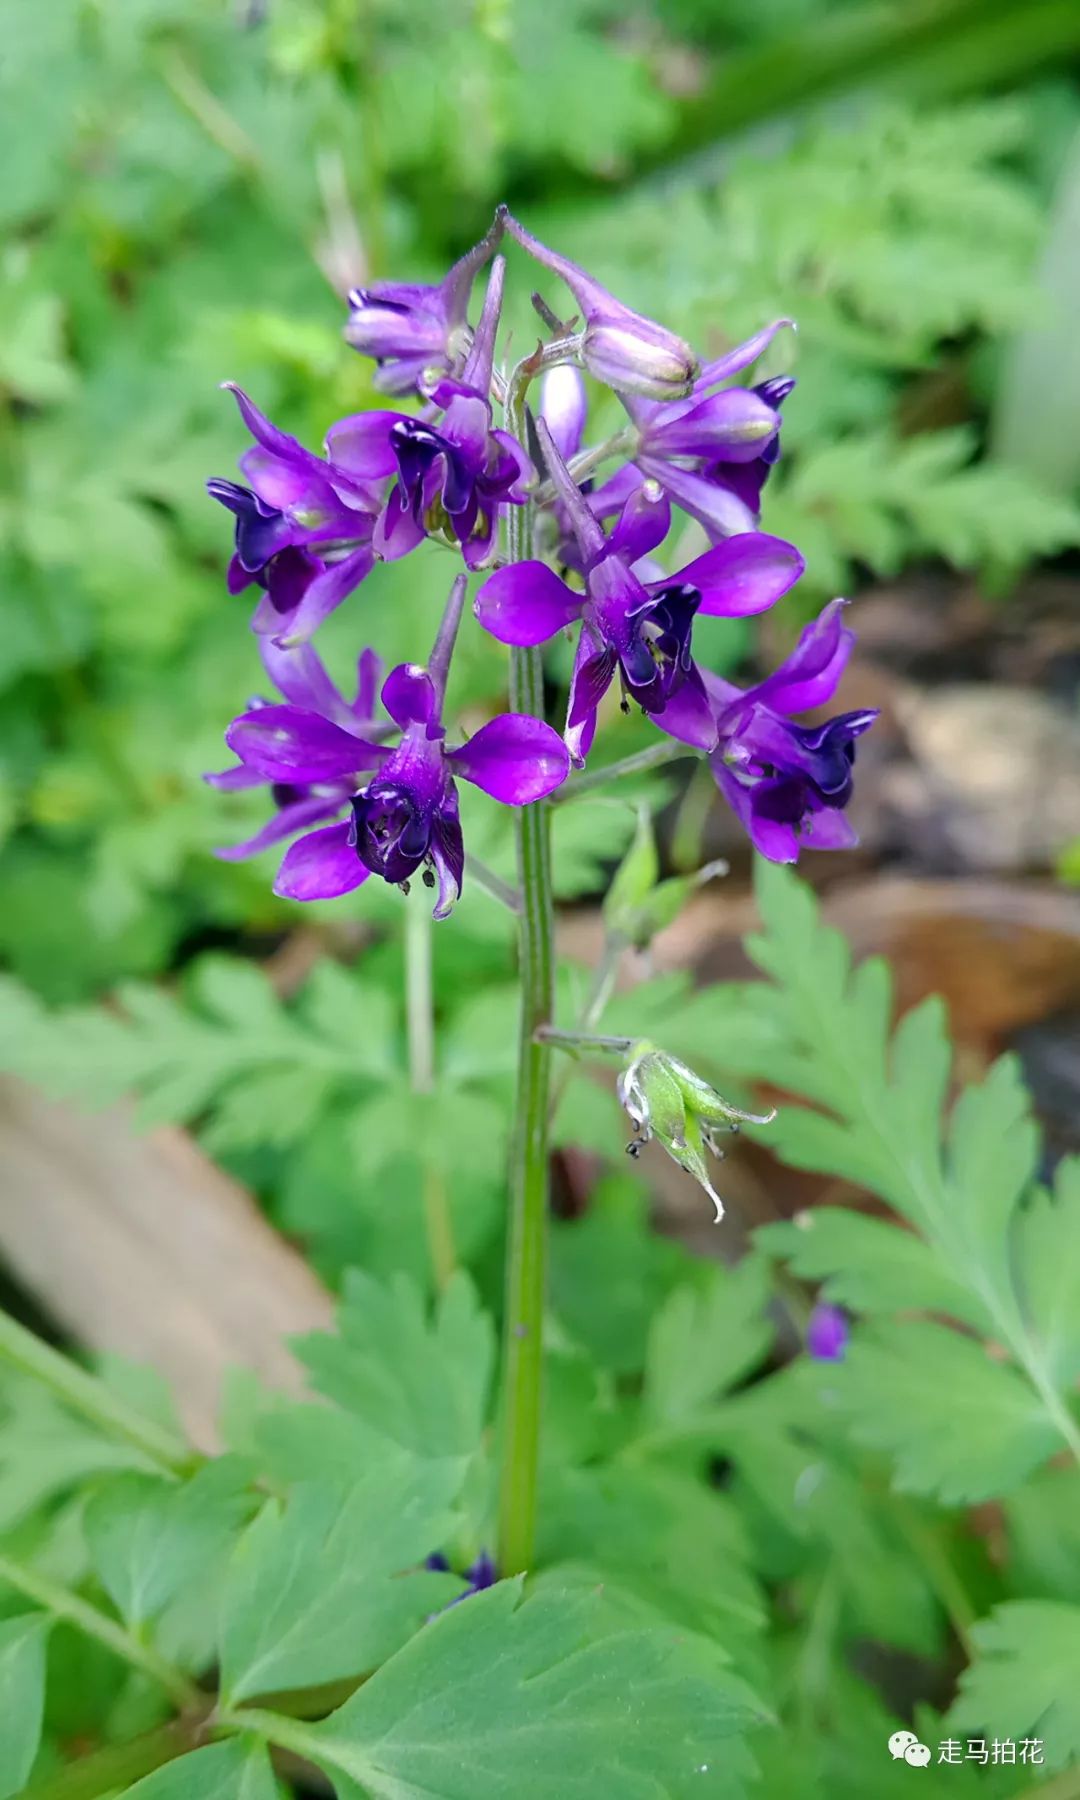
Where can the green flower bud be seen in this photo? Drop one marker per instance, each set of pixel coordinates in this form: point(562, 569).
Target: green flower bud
point(666, 1100)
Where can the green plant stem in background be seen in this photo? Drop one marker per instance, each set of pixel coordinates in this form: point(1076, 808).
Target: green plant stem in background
point(116, 1767)
point(91, 1399)
point(420, 1019)
point(63, 1604)
point(668, 750)
point(527, 1242)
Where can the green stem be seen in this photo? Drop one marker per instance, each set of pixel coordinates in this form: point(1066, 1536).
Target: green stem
point(586, 461)
point(63, 1604)
point(585, 1041)
point(667, 750)
point(116, 1767)
point(527, 1245)
point(91, 1399)
point(420, 1021)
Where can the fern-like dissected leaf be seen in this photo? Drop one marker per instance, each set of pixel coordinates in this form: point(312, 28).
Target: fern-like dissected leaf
point(982, 1248)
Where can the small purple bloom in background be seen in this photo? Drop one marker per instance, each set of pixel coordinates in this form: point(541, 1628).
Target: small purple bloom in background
point(787, 784)
point(414, 332)
point(454, 474)
point(640, 629)
point(711, 452)
point(827, 1333)
point(303, 529)
point(405, 818)
point(630, 353)
point(480, 1575)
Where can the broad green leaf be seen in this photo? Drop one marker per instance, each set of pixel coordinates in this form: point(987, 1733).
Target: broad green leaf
point(320, 1589)
point(149, 1539)
point(236, 1770)
point(500, 1696)
point(957, 1423)
point(1022, 1682)
point(22, 1696)
point(421, 1383)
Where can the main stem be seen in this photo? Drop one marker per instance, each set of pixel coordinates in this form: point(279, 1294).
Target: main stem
point(527, 1246)
point(419, 1013)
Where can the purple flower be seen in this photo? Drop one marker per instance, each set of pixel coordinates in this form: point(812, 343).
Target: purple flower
point(479, 1575)
point(827, 1333)
point(712, 452)
point(454, 474)
point(787, 784)
point(640, 629)
point(414, 331)
point(620, 347)
point(405, 818)
point(299, 676)
point(303, 529)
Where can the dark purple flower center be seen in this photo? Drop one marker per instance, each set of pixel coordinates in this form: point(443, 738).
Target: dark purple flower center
point(655, 659)
point(260, 529)
point(393, 830)
point(418, 448)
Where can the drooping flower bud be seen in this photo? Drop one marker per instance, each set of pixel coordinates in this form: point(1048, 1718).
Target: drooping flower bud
point(622, 348)
point(410, 329)
point(564, 407)
point(666, 1100)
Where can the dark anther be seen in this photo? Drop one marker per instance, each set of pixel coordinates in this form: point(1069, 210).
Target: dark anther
point(404, 886)
point(429, 878)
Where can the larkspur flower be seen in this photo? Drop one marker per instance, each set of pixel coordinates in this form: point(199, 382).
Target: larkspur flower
point(640, 629)
point(827, 1333)
point(455, 473)
point(620, 347)
point(666, 1100)
point(711, 452)
point(404, 819)
point(300, 678)
point(787, 784)
point(303, 529)
point(479, 1575)
point(415, 332)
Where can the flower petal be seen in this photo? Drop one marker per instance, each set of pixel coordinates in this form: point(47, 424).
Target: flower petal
point(320, 866)
point(733, 425)
point(409, 695)
point(810, 675)
point(290, 819)
point(362, 443)
point(734, 361)
point(712, 503)
point(447, 849)
point(325, 593)
point(514, 758)
point(286, 743)
point(689, 717)
point(745, 574)
point(298, 673)
point(525, 604)
point(643, 524)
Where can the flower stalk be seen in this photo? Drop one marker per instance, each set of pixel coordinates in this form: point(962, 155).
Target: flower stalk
point(527, 1244)
point(420, 1025)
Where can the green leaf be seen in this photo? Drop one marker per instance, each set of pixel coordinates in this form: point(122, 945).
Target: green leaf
point(1022, 1682)
point(22, 1696)
point(316, 1591)
point(958, 1424)
point(501, 1697)
point(421, 1383)
point(150, 1539)
point(237, 1770)
point(703, 1341)
point(1049, 1253)
point(865, 1263)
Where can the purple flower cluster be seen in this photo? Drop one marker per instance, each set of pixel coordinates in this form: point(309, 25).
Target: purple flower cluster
point(360, 791)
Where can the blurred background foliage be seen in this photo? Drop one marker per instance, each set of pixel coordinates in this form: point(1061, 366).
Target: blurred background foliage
point(191, 186)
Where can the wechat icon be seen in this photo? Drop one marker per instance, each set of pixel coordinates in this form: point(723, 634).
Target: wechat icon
point(905, 1746)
